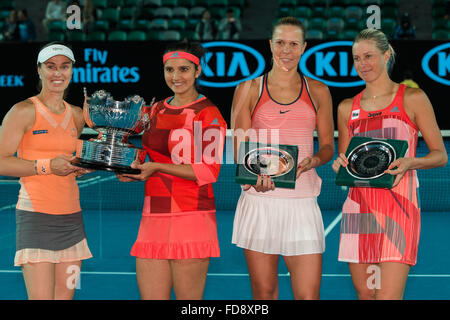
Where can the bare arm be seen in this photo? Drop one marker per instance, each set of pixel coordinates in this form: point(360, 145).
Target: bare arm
point(420, 110)
point(343, 114)
point(417, 101)
point(325, 126)
point(17, 122)
point(244, 99)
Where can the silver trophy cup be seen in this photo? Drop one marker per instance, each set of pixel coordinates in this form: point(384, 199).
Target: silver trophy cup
point(114, 121)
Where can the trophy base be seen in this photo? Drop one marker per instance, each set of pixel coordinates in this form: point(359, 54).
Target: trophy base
point(93, 165)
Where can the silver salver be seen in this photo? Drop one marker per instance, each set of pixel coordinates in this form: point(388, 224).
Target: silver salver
point(370, 159)
point(268, 161)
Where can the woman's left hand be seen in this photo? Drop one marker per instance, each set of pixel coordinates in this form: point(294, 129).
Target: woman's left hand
point(307, 164)
point(147, 170)
point(82, 171)
point(401, 165)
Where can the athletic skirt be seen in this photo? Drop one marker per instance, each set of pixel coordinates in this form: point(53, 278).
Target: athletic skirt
point(286, 226)
point(177, 236)
point(42, 237)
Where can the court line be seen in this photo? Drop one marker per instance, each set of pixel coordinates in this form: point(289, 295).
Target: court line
point(329, 275)
point(82, 184)
point(333, 224)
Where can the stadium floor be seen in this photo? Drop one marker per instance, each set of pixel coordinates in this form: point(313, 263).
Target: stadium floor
point(110, 274)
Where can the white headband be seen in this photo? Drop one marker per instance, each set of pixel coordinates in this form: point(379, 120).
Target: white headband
point(54, 50)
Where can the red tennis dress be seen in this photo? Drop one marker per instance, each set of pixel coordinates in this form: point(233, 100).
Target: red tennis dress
point(179, 219)
point(381, 225)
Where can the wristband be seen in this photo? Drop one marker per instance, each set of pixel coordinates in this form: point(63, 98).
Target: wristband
point(43, 166)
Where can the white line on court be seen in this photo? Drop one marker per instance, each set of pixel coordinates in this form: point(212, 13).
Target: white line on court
point(333, 224)
point(330, 275)
point(81, 184)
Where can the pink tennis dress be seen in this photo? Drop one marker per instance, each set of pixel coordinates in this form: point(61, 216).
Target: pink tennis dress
point(283, 221)
point(381, 225)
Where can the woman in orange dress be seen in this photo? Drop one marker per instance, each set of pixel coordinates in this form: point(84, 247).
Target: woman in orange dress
point(43, 130)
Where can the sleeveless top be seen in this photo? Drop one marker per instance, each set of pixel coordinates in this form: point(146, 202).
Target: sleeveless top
point(392, 122)
point(51, 135)
point(191, 134)
point(294, 123)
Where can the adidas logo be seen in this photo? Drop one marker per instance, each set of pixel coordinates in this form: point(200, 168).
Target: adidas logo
point(215, 121)
point(175, 54)
point(395, 109)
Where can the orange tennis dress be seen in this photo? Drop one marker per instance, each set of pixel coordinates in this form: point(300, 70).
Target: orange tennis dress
point(179, 219)
point(381, 225)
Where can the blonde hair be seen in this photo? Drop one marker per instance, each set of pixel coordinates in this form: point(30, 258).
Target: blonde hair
point(381, 42)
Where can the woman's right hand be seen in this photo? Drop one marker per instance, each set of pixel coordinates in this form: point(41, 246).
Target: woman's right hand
point(263, 184)
point(341, 160)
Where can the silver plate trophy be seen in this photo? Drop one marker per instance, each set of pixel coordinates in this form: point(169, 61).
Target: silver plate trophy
point(114, 121)
point(279, 162)
point(368, 159)
point(268, 161)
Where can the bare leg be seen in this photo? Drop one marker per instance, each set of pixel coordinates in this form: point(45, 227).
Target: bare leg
point(189, 278)
point(154, 279)
point(39, 280)
point(361, 274)
point(66, 277)
point(306, 274)
point(393, 280)
point(263, 270)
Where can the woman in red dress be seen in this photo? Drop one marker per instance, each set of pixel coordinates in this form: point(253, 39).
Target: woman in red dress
point(184, 142)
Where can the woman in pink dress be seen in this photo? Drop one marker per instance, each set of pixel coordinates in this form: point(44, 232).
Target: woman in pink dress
point(269, 221)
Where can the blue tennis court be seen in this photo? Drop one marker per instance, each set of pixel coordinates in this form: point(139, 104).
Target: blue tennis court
point(112, 212)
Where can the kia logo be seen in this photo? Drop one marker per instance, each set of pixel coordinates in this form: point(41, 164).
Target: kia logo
point(442, 63)
point(227, 64)
point(331, 66)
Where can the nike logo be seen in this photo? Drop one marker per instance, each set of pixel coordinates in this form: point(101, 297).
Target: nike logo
point(281, 112)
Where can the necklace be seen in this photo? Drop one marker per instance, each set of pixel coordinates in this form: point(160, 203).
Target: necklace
point(380, 95)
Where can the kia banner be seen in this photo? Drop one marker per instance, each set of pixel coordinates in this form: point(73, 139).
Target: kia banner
point(125, 68)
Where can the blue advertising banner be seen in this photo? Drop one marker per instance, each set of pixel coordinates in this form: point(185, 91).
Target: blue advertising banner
point(127, 68)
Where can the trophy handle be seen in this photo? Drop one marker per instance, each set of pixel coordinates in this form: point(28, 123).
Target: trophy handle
point(86, 115)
